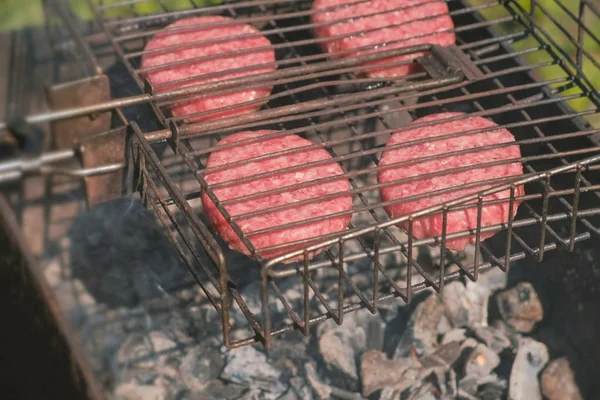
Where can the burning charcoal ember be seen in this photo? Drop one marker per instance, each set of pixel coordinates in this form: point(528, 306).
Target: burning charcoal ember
point(520, 307)
point(466, 306)
point(493, 338)
point(133, 391)
point(122, 255)
point(301, 388)
point(339, 349)
point(199, 366)
point(421, 331)
point(321, 389)
point(378, 372)
point(482, 361)
point(291, 291)
point(531, 358)
point(248, 367)
point(455, 335)
point(558, 381)
point(443, 357)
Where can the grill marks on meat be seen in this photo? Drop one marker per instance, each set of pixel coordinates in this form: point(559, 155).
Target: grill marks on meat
point(227, 57)
point(292, 194)
point(459, 220)
point(355, 24)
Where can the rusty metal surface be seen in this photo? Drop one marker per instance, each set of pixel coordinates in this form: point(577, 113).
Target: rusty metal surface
point(67, 133)
point(37, 336)
point(100, 150)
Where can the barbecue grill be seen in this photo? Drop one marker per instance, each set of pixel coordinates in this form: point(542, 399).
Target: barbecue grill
point(531, 78)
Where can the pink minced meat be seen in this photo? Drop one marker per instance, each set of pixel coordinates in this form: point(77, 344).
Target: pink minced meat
point(459, 220)
point(320, 209)
point(410, 22)
point(224, 61)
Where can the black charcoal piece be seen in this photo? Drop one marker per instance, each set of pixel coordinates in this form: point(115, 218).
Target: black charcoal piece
point(520, 307)
point(421, 331)
point(301, 389)
point(378, 372)
point(199, 366)
point(249, 367)
point(444, 356)
point(466, 306)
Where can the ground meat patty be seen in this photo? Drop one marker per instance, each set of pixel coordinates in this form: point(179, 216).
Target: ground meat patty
point(318, 209)
point(227, 61)
point(401, 20)
point(460, 220)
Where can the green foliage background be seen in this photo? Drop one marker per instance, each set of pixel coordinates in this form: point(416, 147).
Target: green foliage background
point(563, 16)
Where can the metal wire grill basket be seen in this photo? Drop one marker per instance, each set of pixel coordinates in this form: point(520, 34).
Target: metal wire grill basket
point(526, 65)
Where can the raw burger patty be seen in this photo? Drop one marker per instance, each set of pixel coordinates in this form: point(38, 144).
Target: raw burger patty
point(318, 209)
point(460, 220)
point(225, 62)
point(403, 22)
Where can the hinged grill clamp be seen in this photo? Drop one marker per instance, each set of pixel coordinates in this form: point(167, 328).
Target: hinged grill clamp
point(443, 62)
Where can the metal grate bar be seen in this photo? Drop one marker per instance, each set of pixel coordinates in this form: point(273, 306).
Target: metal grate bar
point(318, 96)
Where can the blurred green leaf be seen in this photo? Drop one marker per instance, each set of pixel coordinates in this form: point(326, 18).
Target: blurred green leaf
point(17, 14)
point(569, 26)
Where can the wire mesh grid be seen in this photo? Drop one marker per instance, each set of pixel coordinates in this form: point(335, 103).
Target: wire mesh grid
point(333, 104)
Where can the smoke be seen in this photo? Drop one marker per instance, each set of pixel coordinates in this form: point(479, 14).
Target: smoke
point(122, 255)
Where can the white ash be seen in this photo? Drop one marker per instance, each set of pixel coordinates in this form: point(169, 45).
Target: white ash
point(530, 360)
point(247, 366)
point(558, 381)
point(339, 349)
point(421, 330)
point(165, 344)
point(466, 305)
